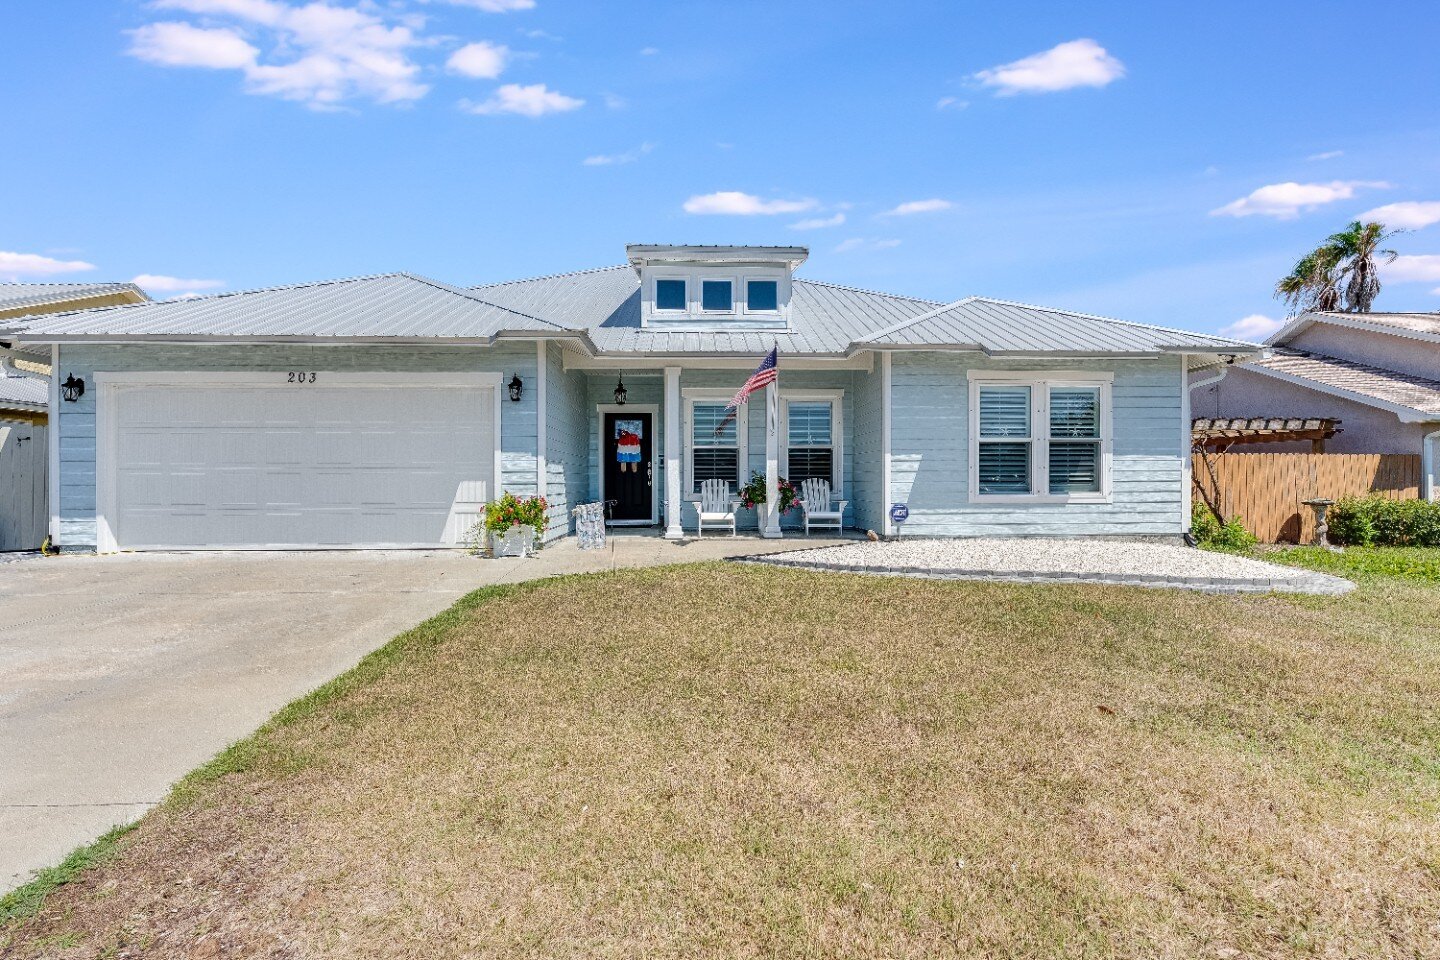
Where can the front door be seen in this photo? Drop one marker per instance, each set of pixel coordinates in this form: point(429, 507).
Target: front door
point(629, 440)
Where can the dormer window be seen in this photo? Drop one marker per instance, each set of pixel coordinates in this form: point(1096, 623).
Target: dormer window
point(717, 296)
point(762, 296)
point(670, 295)
point(715, 288)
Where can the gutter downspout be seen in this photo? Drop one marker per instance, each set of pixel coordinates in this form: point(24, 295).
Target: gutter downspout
point(1429, 454)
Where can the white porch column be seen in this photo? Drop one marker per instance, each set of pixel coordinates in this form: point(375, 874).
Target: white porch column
point(52, 442)
point(772, 463)
point(674, 461)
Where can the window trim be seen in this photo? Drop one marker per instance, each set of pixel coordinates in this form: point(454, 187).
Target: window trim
point(700, 301)
point(1040, 383)
point(836, 399)
point(688, 398)
point(655, 297)
point(746, 280)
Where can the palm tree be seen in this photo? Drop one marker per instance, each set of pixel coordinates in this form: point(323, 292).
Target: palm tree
point(1341, 273)
point(1357, 247)
point(1314, 284)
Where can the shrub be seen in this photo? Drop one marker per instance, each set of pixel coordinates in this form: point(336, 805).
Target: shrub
point(1380, 521)
point(512, 511)
point(1231, 536)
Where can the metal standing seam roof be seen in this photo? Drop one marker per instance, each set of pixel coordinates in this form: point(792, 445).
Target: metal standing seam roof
point(601, 308)
point(17, 296)
point(1390, 387)
point(825, 318)
point(388, 306)
point(1003, 327)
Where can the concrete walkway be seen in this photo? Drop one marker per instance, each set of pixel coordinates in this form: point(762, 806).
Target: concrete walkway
point(120, 674)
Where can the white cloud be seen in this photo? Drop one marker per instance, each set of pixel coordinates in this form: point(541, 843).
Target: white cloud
point(481, 60)
point(533, 100)
point(1255, 327)
point(14, 265)
point(861, 243)
point(818, 223)
point(737, 204)
point(495, 6)
point(918, 206)
point(162, 284)
point(1409, 268)
point(649, 51)
point(1408, 215)
point(951, 103)
point(1078, 63)
point(615, 102)
point(174, 44)
point(1286, 201)
point(318, 54)
point(629, 156)
point(1327, 155)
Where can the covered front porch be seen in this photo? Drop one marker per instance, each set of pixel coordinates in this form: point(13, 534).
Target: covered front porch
point(654, 433)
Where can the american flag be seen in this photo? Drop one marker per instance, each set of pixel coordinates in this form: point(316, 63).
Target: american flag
point(764, 374)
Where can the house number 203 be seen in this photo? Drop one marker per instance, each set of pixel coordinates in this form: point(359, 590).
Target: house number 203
point(300, 376)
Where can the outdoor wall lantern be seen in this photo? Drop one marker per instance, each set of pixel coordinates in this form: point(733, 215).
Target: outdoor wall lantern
point(516, 388)
point(620, 392)
point(72, 389)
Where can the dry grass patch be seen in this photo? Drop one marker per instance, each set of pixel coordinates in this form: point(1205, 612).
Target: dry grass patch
point(744, 762)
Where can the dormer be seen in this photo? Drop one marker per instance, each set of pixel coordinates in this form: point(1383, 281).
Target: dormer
point(715, 288)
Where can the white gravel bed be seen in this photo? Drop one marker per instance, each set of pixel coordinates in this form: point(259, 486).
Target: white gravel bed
point(1108, 561)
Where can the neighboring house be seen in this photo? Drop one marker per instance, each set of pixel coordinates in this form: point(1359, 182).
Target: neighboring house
point(25, 402)
point(1377, 373)
point(385, 411)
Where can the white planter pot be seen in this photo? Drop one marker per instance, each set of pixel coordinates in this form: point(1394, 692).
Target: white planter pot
point(515, 542)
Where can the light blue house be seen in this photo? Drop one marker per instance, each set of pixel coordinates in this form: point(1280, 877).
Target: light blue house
point(385, 411)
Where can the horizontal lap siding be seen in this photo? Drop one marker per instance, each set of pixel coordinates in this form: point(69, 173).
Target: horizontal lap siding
point(567, 440)
point(930, 451)
point(77, 420)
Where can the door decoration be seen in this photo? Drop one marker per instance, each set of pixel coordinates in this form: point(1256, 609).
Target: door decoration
point(627, 444)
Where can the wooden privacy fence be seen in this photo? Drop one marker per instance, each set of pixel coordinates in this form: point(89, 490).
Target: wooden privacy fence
point(1266, 489)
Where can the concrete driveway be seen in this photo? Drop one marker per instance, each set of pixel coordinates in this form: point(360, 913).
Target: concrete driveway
point(120, 674)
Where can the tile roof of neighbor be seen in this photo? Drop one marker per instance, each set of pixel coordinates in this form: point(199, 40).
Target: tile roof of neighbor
point(1413, 322)
point(18, 388)
point(395, 305)
point(603, 307)
point(14, 296)
point(1389, 386)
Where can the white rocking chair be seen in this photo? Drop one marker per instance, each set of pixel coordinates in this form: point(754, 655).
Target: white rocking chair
point(716, 507)
point(817, 506)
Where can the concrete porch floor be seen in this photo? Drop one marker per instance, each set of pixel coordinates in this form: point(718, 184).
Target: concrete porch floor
point(121, 673)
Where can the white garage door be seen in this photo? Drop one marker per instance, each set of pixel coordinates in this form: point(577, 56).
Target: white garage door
point(269, 461)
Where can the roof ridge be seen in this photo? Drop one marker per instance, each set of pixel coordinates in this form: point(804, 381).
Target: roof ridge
point(470, 295)
point(918, 318)
point(873, 293)
point(176, 301)
point(1115, 320)
point(551, 276)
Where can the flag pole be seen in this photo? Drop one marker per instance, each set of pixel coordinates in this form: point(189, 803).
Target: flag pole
point(772, 453)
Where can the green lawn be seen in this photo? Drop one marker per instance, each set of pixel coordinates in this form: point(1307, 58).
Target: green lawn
point(732, 761)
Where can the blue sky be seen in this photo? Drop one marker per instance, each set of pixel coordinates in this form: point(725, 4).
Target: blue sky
point(1154, 161)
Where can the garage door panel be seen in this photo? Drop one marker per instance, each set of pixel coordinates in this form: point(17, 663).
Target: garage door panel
point(260, 466)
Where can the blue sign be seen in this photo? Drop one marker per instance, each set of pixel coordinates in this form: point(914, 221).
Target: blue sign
point(899, 513)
